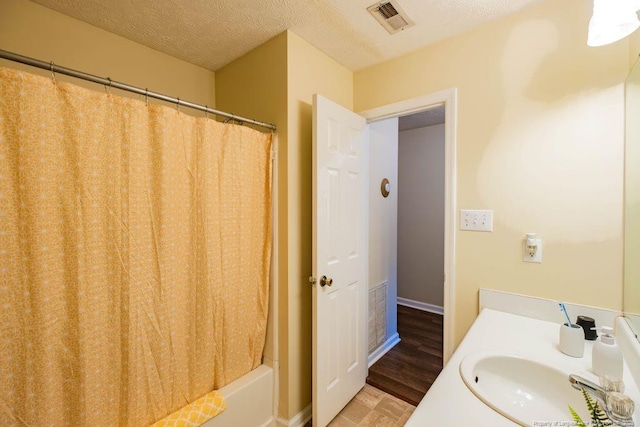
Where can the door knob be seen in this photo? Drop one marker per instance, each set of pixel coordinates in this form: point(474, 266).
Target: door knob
point(324, 281)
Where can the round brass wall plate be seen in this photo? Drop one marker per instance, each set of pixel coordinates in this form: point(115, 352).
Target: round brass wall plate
point(385, 187)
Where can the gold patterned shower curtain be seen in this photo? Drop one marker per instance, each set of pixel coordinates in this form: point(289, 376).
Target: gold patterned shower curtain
point(134, 255)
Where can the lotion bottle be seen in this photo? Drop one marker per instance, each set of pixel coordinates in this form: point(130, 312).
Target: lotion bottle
point(606, 356)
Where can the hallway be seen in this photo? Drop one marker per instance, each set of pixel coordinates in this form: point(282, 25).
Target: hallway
point(408, 370)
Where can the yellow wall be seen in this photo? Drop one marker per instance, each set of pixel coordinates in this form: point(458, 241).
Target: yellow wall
point(634, 48)
point(632, 196)
point(632, 186)
point(540, 141)
point(255, 85)
point(33, 30)
point(309, 71)
point(275, 82)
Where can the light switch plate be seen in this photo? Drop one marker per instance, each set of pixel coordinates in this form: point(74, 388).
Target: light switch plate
point(476, 220)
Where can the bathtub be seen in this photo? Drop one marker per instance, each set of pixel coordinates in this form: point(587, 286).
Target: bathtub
point(249, 401)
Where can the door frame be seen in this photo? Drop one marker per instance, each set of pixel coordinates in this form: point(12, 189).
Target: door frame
point(448, 98)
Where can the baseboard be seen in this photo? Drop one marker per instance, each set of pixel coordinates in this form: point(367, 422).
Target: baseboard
point(383, 348)
point(418, 305)
point(298, 420)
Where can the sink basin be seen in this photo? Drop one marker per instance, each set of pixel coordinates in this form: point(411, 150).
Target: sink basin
point(525, 391)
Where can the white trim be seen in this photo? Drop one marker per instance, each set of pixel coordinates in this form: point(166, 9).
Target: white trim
point(419, 305)
point(409, 106)
point(451, 193)
point(298, 420)
point(448, 97)
point(383, 348)
point(270, 423)
point(274, 297)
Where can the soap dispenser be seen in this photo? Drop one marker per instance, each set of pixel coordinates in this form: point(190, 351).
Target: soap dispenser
point(606, 356)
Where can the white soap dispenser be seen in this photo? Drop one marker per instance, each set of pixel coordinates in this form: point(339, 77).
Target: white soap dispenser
point(606, 358)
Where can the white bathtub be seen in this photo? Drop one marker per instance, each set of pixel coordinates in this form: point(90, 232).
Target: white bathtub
point(249, 401)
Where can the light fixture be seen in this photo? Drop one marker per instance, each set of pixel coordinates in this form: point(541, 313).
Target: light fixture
point(385, 187)
point(612, 20)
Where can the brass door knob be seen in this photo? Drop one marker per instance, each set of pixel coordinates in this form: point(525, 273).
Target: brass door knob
point(324, 281)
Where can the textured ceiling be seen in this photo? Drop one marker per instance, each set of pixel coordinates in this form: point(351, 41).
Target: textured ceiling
point(434, 116)
point(212, 33)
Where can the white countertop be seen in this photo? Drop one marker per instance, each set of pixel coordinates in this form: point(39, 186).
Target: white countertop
point(450, 403)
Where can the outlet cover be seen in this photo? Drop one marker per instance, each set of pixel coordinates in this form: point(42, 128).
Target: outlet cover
point(535, 256)
point(476, 220)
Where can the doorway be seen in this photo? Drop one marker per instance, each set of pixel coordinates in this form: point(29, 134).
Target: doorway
point(421, 144)
point(448, 99)
point(409, 152)
point(431, 291)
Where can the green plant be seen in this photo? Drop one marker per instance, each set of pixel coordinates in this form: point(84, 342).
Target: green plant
point(599, 418)
point(577, 418)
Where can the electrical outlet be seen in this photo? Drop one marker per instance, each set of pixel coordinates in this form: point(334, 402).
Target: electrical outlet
point(532, 254)
point(476, 220)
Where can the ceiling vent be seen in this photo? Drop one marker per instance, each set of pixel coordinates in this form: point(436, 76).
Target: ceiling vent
point(391, 16)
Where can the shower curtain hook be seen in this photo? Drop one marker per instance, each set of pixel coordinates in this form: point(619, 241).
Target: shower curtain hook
point(108, 88)
point(146, 96)
point(178, 105)
point(53, 73)
point(206, 111)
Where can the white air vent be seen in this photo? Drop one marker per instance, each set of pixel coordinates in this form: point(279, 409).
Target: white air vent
point(377, 316)
point(391, 16)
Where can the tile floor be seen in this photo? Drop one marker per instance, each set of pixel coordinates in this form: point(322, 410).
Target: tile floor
point(373, 407)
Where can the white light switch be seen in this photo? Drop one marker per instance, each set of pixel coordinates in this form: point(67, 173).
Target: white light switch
point(475, 220)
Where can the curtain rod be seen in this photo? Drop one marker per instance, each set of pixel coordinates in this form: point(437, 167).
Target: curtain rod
point(111, 83)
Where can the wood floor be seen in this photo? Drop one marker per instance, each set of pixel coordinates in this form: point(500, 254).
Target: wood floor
point(408, 370)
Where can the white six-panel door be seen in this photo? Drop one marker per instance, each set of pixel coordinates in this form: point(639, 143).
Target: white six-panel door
point(340, 212)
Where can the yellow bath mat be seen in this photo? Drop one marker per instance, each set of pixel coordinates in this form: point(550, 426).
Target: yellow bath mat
point(196, 413)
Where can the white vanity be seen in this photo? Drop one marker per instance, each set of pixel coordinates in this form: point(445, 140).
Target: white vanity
point(527, 328)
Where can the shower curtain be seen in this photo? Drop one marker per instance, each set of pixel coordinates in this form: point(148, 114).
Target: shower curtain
point(134, 255)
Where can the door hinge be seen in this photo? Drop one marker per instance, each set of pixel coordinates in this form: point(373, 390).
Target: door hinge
point(312, 280)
